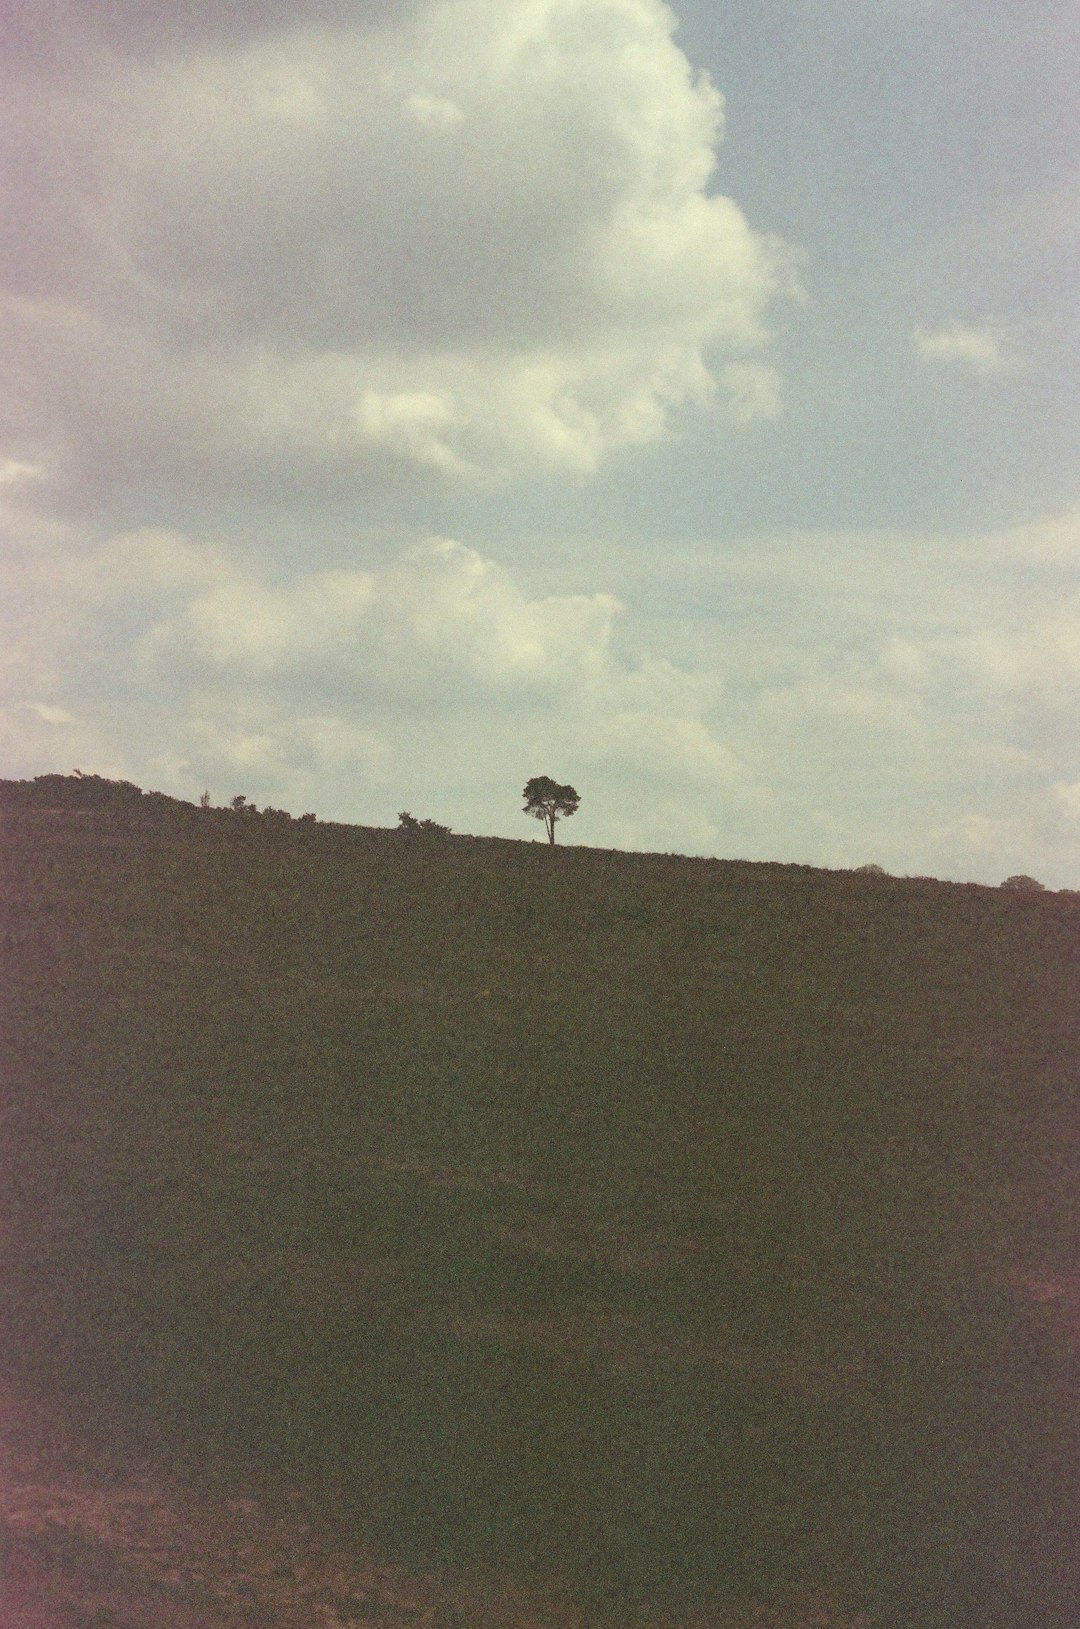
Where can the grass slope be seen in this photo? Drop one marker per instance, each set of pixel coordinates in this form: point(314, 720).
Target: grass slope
point(687, 1231)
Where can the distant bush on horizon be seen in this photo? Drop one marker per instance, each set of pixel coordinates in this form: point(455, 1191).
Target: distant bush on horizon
point(1021, 883)
point(409, 826)
point(79, 793)
point(76, 791)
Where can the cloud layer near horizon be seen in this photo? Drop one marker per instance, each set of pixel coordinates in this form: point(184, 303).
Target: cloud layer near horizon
point(439, 668)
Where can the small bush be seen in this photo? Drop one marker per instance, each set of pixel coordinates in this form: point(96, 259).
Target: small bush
point(408, 826)
point(1021, 882)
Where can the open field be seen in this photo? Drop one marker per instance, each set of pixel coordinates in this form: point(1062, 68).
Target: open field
point(671, 1238)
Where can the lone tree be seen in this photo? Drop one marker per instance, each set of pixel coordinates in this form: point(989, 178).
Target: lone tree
point(546, 800)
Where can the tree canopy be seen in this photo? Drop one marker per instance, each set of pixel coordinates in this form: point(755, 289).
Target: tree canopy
point(546, 800)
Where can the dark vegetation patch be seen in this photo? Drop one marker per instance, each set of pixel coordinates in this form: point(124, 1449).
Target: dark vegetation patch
point(657, 1224)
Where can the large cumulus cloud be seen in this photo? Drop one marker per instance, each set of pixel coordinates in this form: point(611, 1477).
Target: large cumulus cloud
point(459, 236)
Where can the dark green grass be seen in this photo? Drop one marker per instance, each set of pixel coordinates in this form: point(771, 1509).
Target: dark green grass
point(655, 1223)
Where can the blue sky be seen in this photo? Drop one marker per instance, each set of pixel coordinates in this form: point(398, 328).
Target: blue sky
point(402, 400)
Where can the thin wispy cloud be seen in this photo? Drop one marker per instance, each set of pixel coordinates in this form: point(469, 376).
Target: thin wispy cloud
point(985, 351)
point(57, 716)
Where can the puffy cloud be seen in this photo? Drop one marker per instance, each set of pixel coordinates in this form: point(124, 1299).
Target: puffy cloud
point(286, 754)
point(985, 351)
point(451, 609)
point(259, 629)
point(145, 566)
point(438, 621)
point(468, 237)
point(666, 747)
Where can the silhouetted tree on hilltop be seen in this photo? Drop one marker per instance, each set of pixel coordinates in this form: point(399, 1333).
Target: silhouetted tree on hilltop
point(546, 800)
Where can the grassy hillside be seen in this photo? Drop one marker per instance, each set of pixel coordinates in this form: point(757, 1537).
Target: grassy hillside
point(688, 1231)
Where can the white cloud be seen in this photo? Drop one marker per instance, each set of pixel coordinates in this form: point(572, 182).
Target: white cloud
point(906, 661)
point(146, 564)
point(1051, 540)
point(1067, 794)
point(17, 470)
point(661, 744)
point(478, 238)
point(433, 112)
point(440, 618)
point(50, 714)
point(258, 628)
point(987, 350)
point(445, 604)
point(285, 755)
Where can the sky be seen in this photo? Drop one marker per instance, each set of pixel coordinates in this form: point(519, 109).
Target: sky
point(400, 399)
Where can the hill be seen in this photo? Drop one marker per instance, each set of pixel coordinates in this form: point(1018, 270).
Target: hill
point(686, 1233)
